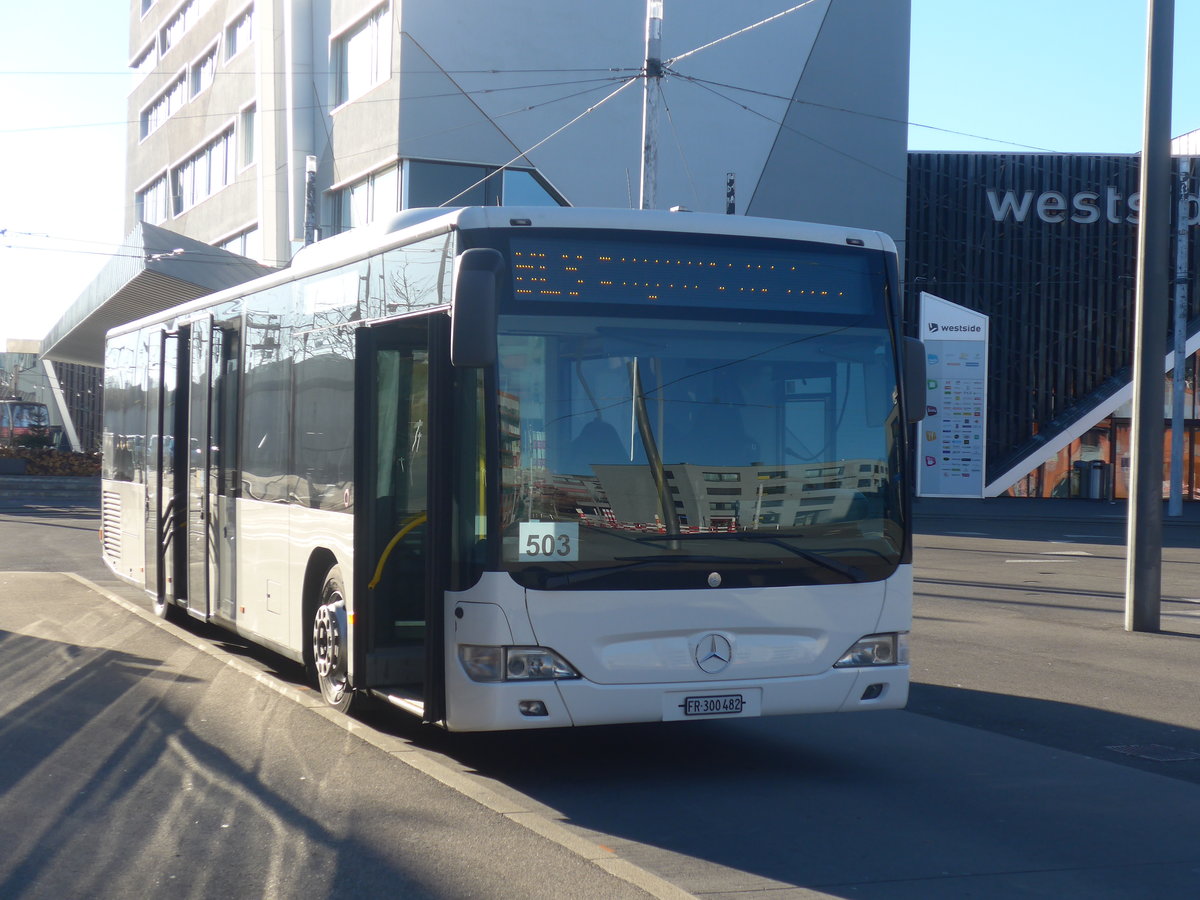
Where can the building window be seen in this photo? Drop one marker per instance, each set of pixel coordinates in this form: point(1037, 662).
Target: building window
point(147, 5)
point(163, 107)
point(184, 18)
point(152, 202)
point(521, 188)
point(202, 72)
point(433, 184)
point(246, 243)
point(368, 199)
point(239, 33)
point(172, 31)
point(204, 173)
point(363, 56)
point(144, 63)
point(248, 135)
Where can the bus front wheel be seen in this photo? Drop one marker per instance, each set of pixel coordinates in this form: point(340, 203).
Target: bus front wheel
point(330, 647)
point(166, 610)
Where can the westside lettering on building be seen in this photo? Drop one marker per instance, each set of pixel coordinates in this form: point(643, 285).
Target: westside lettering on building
point(1082, 207)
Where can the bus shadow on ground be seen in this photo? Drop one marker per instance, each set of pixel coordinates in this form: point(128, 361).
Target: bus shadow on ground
point(1152, 746)
point(887, 805)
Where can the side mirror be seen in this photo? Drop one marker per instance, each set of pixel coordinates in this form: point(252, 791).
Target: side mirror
point(473, 308)
point(914, 379)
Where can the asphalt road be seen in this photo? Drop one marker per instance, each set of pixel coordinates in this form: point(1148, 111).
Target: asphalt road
point(1046, 752)
point(1020, 631)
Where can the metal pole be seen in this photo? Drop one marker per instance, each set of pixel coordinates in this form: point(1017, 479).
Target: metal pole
point(652, 77)
point(1182, 223)
point(1143, 573)
point(310, 200)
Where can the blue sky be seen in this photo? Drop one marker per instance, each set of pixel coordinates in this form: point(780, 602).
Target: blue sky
point(63, 81)
point(1059, 75)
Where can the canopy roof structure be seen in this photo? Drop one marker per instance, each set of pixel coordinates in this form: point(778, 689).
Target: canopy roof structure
point(153, 270)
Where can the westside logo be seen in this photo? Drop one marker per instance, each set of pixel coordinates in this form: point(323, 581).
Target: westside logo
point(937, 328)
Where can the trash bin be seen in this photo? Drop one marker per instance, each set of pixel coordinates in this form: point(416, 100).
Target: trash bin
point(1090, 479)
point(1081, 479)
point(1097, 479)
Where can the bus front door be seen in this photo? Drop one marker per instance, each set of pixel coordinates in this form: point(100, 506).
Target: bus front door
point(396, 515)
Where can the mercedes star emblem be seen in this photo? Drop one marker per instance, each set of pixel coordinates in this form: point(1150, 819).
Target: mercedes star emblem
point(713, 653)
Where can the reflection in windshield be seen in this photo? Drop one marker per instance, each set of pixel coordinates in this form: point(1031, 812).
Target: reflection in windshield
point(29, 415)
point(616, 428)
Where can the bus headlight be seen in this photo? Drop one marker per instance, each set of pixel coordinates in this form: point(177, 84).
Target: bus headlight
point(876, 650)
point(492, 664)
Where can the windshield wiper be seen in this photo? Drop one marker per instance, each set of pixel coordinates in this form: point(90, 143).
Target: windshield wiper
point(854, 573)
point(577, 576)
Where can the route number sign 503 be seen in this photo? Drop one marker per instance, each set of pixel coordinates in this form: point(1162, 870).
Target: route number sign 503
point(549, 541)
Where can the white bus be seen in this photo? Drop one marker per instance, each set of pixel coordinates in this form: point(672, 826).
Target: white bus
point(532, 467)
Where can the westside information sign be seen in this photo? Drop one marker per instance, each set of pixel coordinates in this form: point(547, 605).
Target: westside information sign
point(951, 462)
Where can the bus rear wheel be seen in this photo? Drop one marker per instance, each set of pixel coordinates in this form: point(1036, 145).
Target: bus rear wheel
point(330, 646)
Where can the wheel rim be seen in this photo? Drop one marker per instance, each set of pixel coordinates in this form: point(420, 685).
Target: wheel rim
point(329, 646)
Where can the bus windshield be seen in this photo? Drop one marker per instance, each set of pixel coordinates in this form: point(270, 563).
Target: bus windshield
point(673, 447)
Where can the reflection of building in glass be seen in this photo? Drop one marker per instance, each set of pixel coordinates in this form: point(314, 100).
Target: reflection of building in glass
point(724, 497)
point(514, 495)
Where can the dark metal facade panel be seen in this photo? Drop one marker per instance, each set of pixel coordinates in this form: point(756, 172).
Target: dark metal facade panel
point(1041, 243)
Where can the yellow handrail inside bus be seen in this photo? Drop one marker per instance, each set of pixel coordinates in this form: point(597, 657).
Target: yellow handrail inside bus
point(418, 519)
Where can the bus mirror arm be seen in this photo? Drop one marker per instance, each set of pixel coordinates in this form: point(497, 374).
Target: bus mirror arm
point(914, 379)
point(473, 310)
